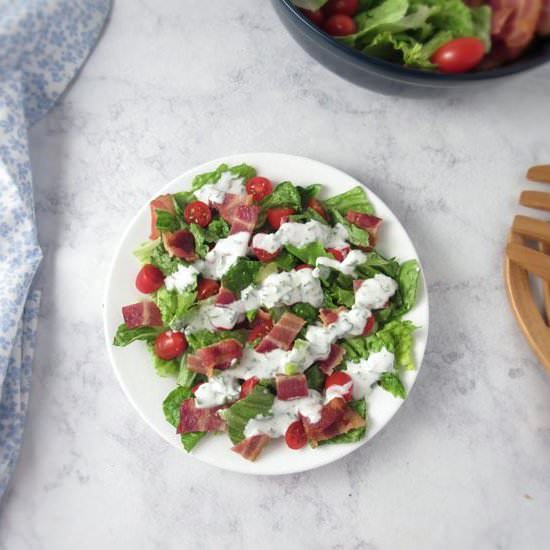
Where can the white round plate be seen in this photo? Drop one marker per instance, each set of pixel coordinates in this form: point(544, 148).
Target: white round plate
point(146, 391)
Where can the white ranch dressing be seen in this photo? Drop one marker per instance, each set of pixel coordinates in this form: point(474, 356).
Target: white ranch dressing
point(367, 372)
point(374, 293)
point(334, 392)
point(214, 193)
point(218, 391)
point(346, 266)
point(226, 252)
point(182, 279)
point(283, 413)
point(302, 234)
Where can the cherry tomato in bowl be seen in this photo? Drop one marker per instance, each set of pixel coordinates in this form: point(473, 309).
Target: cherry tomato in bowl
point(207, 288)
point(170, 344)
point(295, 435)
point(259, 188)
point(459, 55)
point(346, 7)
point(197, 212)
point(149, 279)
point(248, 386)
point(340, 25)
point(264, 256)
point(277, 216)
point(340, 378)
point(315, 16)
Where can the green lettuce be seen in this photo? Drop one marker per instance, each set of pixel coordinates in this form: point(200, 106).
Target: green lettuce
point(376, 263)
point(172, 404)
point(200, 235)
point(356, 235)
point(161, 259)
point(125, 335)
point(407, 278)
point(189, 440)
point(308, 254)
point(167, 221)
point(391, 382)
point(305, 311)
point(203, 338)
point(359, 406)
point(163, 367)
point(481, 20)
point(240, 275)
point(354, 199)
point(258, 402)
point(218, 229)
point(239, 171)
point(286, 261)
point(315, 378)
point(173, 305)
point(145, 250)
point(285, 194)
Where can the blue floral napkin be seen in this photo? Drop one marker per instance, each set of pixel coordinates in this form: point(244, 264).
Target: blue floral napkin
point(43, 43)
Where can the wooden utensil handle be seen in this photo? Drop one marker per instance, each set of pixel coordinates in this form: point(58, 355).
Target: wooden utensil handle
point(531, 260)
point(535, 199)
point(540, 173)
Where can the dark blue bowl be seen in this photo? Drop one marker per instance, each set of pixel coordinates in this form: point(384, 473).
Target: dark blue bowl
point(383, 76)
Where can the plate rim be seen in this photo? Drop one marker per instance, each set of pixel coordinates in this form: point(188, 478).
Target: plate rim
point(205, 166)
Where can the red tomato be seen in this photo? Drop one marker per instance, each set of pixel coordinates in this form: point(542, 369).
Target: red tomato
point(196, 387)
point(170, 344)
point(197, 212)
point(347, 7)
point(340, 25)
point(265, 256)
point(369, 325)
point(317, 206)
point(248, 386)
point(339, 254)
point(315, 16)
point(259, 188)
point(207, 288)
point(303, 266)
point(295, 435)
point(460, 55)
point(277, 216)
point(149, 279)
point(340, 378)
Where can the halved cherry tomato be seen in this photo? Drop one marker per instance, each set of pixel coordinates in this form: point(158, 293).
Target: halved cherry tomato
point(259, 188)
point(149, 279)
point(338, 253)
point(207, 288)
point(347, 7)
point(196, 387)
point(295, 435)
point(340, 25)
point(198, 212)
point(369, 325)
point(248, 386)
point(317, 206)
point(303, 266)
point(265, 256)
point(459, 55)
point(315, 16)
point(340, 378)
point(277, 216)
point(170, 344)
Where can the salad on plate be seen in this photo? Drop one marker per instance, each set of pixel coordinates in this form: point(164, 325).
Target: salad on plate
point(272, 310)
point(452, 36)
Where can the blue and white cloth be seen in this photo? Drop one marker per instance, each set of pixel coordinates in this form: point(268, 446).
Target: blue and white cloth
point(43, 44)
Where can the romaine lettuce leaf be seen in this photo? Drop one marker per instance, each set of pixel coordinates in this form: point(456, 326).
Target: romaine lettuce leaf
point(163, 367)
point(189, 440)
point(199, 234)
point(305, 311)
point(265, 271)
point(308, 254)
point(167, 221)
point(315, 378)
point(354, 199)
point(359, 406)
point(308, 215)
point(391, 382)
point(172, 404)
point(240, 171)
point(258, 402)
point(173, 305)
point(203, 338)
point(356, 235)
point(286, 261)
point(145, 250)
point(481, 20)
point(285, 194)
point(407, 279)
point(218, 229)
point(240, 275)
point(125, 335)
point(376, 263)
point(161, 259)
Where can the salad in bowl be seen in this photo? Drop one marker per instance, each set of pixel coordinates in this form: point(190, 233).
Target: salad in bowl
point(270, 308)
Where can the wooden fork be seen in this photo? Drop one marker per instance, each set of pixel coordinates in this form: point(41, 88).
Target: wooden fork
point(521, 260)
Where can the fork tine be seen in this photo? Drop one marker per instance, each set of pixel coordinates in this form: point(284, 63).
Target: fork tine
point(534, 229)
point(540, 173)
point(535, 199)
point(531, 260)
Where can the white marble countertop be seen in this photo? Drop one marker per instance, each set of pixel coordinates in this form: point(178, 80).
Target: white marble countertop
point(465, 462)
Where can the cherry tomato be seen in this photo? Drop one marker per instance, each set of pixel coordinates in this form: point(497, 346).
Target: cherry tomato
point(347, 7)
point(339, 254)
point(265, 256)
point(295, 435)
point(207, 288)
point(149, 279)
point(196, 387)
point(259, 188)
point(315, 16)
point(340, 378)
point(340, 25)
point(248, 386)
point(459, 55)
point(317, 206)
point(277, 216)
point(303, 266)
point(198, 212)
point(170, 344)
point(369, 325)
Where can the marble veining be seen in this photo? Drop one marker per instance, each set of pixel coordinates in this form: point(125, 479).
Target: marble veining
point(464, 464)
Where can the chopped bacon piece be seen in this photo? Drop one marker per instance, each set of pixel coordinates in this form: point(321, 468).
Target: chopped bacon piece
point(329, 316)
point(230, 203)
point(291, 387)
point(282, 334)
point(260, 326)
point(244, 218)
point(142, 314)
point(543, 26)
point(365, 221)
point(333, 360)
point(225, 297)
point(215, 356)
point(336, 418)
point(193, 419)
point(251, 447)
point(180, 244)
point(164, 203)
